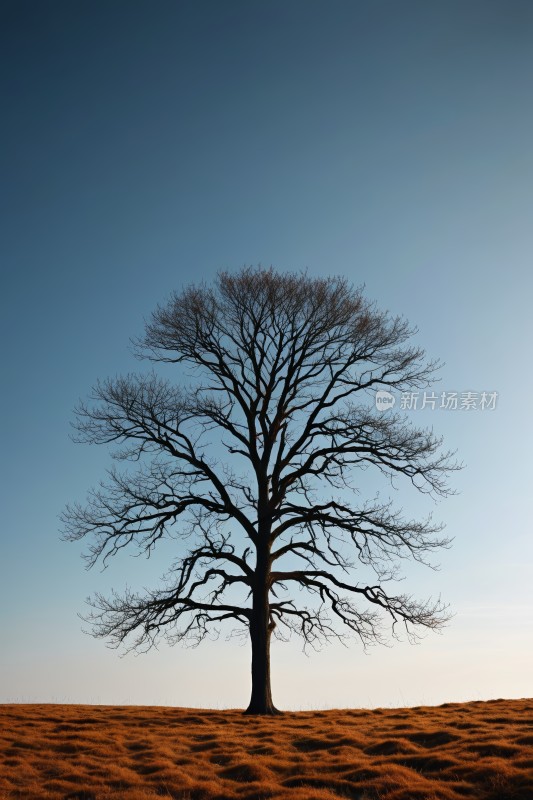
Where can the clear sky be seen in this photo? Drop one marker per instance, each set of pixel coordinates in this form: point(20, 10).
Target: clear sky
point(145, 145)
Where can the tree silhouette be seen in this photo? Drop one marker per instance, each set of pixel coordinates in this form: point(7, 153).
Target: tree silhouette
point(253, 467)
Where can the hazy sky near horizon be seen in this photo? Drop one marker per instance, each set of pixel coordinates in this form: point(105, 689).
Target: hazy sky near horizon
point(147, 145)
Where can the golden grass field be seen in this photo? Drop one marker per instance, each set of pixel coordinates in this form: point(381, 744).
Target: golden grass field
point(455, 751)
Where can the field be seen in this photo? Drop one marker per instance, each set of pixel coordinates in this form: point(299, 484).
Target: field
point(451, 752)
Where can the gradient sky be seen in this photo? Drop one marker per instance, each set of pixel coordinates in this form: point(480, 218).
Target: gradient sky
point(145, 145)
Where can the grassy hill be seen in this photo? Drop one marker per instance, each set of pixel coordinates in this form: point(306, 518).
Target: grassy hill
point(451, 752)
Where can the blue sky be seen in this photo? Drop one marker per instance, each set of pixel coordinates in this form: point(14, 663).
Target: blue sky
point(146, 145)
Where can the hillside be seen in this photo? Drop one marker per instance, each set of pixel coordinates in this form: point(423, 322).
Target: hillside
point(451, 752)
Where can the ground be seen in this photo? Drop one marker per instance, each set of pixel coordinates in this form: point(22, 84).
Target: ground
point(450, 752)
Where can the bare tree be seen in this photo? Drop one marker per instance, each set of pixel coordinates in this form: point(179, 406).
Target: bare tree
point(254, 467)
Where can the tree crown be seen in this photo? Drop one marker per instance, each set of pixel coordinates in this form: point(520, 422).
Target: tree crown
point(283, 367)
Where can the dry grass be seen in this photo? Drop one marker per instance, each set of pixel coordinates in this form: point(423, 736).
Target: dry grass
point(456, 751)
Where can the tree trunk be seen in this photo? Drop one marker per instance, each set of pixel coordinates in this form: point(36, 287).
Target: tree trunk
point(260, 632)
